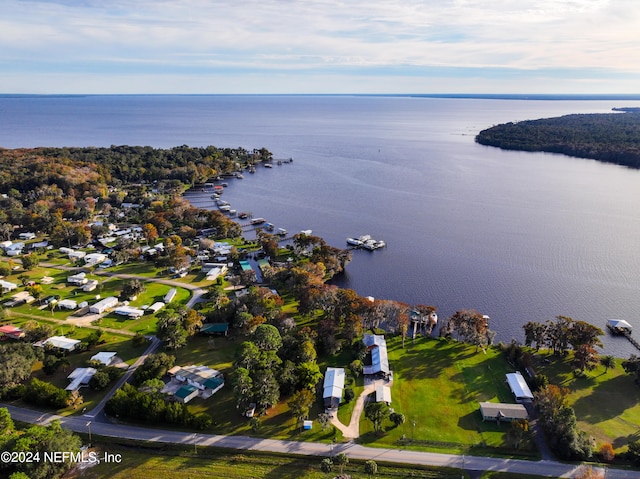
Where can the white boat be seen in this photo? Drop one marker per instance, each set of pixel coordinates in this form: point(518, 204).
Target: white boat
point(268, 165)
point(370, 244)
point(282, 231)
point(225, 208)
point(354, 242)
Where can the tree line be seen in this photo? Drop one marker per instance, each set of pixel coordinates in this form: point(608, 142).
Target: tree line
point(610, 137)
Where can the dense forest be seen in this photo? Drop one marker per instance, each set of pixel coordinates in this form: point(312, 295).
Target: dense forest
point(46, 189)
point(610, 137)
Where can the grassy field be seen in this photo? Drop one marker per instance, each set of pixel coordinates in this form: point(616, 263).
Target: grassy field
point(437, 386)
point(607, 403)
point(138, 463)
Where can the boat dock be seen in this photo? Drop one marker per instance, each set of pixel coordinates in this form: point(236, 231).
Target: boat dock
point(620, 327)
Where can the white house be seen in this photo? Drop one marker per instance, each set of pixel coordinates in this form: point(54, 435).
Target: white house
point(377, 346)
point(76, 255)
point(94, 258)
point(192, 381)
point(107, 358)
point(14, 249)
point(213, 270)
point(59, 342)
point(155, 307)
point(129, 311)
point(5, 244)
point(492, 411)
point(170, 295)
point(7, 286)
point(90, 285)
point(80, 377)
point(68, 304)
point(26, 236)
point(77, 279)
point(104, 304)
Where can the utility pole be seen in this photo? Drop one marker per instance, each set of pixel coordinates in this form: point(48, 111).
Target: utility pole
point(89, 428)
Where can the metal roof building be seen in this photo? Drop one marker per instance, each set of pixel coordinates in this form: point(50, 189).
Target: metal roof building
point(333, 387)
point(377, 345)
point(519, 387)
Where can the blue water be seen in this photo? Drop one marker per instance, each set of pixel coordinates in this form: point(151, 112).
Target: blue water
point(518, 236)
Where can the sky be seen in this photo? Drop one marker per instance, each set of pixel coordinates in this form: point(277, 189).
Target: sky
point(320, 46)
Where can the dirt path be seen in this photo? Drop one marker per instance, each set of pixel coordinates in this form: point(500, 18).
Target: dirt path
point(352, 431)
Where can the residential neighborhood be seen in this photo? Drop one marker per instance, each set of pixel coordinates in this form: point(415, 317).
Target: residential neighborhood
point(133, 315)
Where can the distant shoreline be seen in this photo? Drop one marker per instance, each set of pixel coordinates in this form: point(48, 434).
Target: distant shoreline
point(464, 96)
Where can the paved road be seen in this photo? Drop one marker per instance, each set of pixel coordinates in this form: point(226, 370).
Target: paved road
point(354, 451)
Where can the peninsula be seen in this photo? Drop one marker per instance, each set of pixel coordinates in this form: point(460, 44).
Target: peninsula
point(609, 137)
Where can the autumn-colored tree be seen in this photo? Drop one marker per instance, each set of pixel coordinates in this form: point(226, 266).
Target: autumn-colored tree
point(606, 452)
point(518, 432)
point(150, 232)
point(471, 327)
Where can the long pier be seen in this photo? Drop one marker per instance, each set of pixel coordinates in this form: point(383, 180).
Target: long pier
point(627, 335)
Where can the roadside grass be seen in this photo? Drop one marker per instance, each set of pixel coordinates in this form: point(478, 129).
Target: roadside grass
point(155, 461)
point(437, 386)
point(606, 403)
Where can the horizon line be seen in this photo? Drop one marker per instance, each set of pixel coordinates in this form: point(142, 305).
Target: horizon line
point(488, 96)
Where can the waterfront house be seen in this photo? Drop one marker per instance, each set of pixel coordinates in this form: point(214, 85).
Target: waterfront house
point(377, 347)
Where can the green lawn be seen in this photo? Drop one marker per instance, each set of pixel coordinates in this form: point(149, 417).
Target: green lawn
point(158, 461)
point(607, 404)
point(437, 386)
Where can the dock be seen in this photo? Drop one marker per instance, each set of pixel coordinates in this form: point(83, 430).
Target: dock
point(627, 335)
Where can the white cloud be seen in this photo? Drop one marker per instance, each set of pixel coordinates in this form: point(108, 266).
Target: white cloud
point(218, 37)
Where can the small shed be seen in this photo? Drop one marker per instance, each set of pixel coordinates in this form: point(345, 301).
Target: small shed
point(307, 425)
point(383, 394)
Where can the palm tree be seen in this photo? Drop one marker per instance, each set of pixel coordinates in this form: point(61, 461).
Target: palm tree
point(608, 362)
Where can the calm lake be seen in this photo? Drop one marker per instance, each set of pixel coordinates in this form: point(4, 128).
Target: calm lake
point(517, 236)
